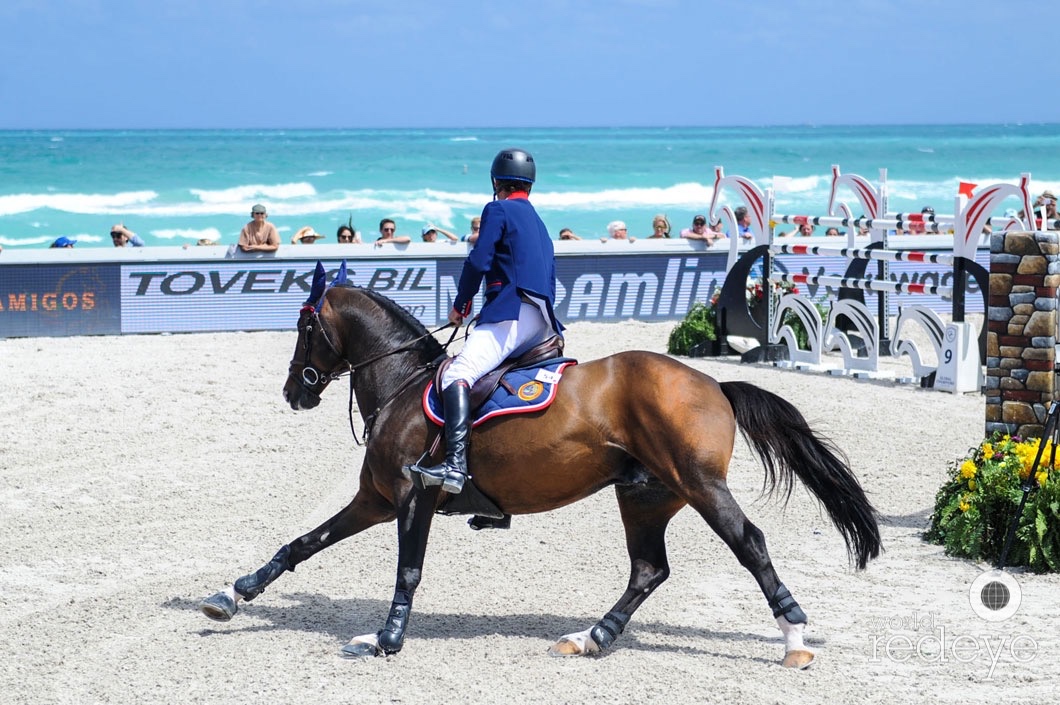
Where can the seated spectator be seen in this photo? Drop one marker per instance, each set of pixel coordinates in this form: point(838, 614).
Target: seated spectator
point(306, 236)
point(121, 236)
point(472, 236)
point(430, 234)
point(568, 234)
point(617, 230)
point(832, 232)
point(805, 230)
point(63, 242)
point(660, 227)
point(387, 228)
point(700, 231)
point(346, 235)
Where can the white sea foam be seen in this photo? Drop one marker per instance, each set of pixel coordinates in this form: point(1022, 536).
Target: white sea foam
point(187, 234)
point(250, 192)
point(320, 173)
point(83, 203)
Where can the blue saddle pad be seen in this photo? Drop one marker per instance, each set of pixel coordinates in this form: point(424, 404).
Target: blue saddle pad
point(532, 389)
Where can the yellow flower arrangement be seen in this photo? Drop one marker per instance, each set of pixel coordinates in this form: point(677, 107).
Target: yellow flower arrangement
point(977, 503)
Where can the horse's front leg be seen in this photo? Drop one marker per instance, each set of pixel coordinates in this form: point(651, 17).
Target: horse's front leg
point(415, 514)
point(366, 509)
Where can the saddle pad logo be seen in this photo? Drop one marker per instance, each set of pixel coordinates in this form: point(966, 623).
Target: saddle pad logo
point(531, 391)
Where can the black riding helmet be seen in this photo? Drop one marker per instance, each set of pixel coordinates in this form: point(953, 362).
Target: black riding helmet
point(513, 165)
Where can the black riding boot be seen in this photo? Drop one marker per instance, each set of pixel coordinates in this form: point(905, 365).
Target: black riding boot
point(456, 403)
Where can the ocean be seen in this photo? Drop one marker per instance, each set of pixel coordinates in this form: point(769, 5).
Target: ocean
point(173, 187)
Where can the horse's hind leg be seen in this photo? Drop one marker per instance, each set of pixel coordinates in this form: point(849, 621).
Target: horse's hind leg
point(646, 511)
point(366, 509)
point(747, 541)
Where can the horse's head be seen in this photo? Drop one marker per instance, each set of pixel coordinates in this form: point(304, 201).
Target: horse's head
point(317, 358)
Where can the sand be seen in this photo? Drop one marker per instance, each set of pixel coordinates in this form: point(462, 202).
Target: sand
point(142, 473)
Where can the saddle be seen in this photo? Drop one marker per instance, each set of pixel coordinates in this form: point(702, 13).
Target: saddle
point(487, 385)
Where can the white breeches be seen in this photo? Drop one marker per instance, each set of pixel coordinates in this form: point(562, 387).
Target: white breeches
point(489, 344)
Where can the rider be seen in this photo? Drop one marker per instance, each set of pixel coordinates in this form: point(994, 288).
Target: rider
point(514, 254)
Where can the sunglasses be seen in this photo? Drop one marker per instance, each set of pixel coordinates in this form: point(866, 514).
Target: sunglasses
point(345, 238)
point(388, 230)
point(115, 235)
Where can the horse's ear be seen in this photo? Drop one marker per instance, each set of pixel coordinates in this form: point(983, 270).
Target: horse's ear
point(341, 279)
point(316, 292)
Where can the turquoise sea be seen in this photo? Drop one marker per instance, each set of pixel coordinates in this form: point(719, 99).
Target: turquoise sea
point(173, 187)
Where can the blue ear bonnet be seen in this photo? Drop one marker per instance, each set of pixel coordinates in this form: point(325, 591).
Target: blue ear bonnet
point(320, 285)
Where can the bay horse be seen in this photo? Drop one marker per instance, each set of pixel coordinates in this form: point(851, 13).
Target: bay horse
point(657, 430)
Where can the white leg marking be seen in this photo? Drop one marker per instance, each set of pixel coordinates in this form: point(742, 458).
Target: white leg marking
point(792, 635)
point(231, 592)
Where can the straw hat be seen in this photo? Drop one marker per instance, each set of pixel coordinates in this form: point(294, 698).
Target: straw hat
point(306, 233)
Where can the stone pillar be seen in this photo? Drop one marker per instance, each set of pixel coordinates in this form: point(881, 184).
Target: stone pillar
point(1021, 331)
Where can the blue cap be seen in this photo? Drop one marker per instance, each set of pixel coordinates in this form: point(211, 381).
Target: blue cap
point(64, 242)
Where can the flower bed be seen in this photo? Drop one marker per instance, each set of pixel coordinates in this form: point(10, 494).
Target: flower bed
point(974, 509)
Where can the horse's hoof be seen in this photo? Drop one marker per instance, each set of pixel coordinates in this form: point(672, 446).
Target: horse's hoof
point(564, 647)
point(362, 647)
point(799, 659)
point(219, 607)
point(577, 644)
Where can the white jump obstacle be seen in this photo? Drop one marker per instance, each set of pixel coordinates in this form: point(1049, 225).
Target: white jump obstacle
point(958, 367)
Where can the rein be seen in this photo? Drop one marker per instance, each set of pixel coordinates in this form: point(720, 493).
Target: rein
point(311, 376)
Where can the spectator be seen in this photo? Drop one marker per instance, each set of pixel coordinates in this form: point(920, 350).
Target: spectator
point(660, 227)
point(805, 230)
point(1045, 208)
point(568, 234)
point(63, 242)
point(387, 228)
point(743, 223)
point(918, 228)
point(472, 236)
point(346, 235)
point(700, 231)
point(617, 230)
point(306, 236)
point(259, 235)
point(121, 236)
point(832, 232)
point(430, 234)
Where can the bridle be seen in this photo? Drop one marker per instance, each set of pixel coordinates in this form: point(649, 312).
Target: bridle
point(312, 378)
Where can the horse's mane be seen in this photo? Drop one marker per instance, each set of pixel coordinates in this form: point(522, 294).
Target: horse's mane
point(392, 308)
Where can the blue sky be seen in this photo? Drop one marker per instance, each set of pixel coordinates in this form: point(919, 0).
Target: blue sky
point(459, 63)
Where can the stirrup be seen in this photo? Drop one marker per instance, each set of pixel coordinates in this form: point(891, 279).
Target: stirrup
point(430, 477)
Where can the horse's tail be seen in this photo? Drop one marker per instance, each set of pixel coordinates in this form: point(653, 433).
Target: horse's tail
point(787, 446)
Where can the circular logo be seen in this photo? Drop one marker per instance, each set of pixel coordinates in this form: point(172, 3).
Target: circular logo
point(531, 391)
point(995, 595)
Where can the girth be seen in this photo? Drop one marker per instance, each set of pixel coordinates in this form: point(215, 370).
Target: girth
point(484, 387)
